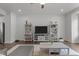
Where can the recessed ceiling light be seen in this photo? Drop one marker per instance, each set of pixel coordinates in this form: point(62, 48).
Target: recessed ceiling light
point(19, 10)
point(62, 10)
point(42, 3)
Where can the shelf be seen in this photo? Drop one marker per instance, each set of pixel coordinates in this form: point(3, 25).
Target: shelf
point(53, 32)
point(28, 32)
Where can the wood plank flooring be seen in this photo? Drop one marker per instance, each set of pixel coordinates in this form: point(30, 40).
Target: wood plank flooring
point(74, 46)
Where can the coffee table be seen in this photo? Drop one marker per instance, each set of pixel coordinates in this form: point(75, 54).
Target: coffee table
point(59, 48)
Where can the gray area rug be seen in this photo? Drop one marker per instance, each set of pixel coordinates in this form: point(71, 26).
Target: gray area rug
point(22, 51)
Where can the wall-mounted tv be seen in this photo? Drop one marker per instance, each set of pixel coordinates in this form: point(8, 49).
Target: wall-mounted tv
point(41, 29)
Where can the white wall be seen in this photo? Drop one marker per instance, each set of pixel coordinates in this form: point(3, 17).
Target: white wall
point(20, 28)
point(72, 26)
point(7, 28)
point(38, 20)
point(10, 23)
point(2, 12)
point(13, 26)
point(68, 33)
point(75, 30)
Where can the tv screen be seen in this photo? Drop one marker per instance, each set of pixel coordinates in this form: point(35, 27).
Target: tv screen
point(40, 29)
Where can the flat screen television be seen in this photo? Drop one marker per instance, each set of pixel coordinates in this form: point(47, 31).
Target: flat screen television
point(40, 29)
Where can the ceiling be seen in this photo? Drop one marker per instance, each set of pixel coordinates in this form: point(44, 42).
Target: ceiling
point(35, 8)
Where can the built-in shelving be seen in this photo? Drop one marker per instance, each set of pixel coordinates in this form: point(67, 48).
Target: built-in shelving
point(28, 32)
point(53, 30)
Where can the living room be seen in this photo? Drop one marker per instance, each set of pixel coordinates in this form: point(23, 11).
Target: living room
point(40, 25)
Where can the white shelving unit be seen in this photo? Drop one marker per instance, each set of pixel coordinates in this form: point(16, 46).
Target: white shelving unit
point(53, 30)
point(28, 32)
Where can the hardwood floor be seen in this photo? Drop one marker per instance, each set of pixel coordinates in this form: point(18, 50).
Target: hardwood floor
point(74, 46)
